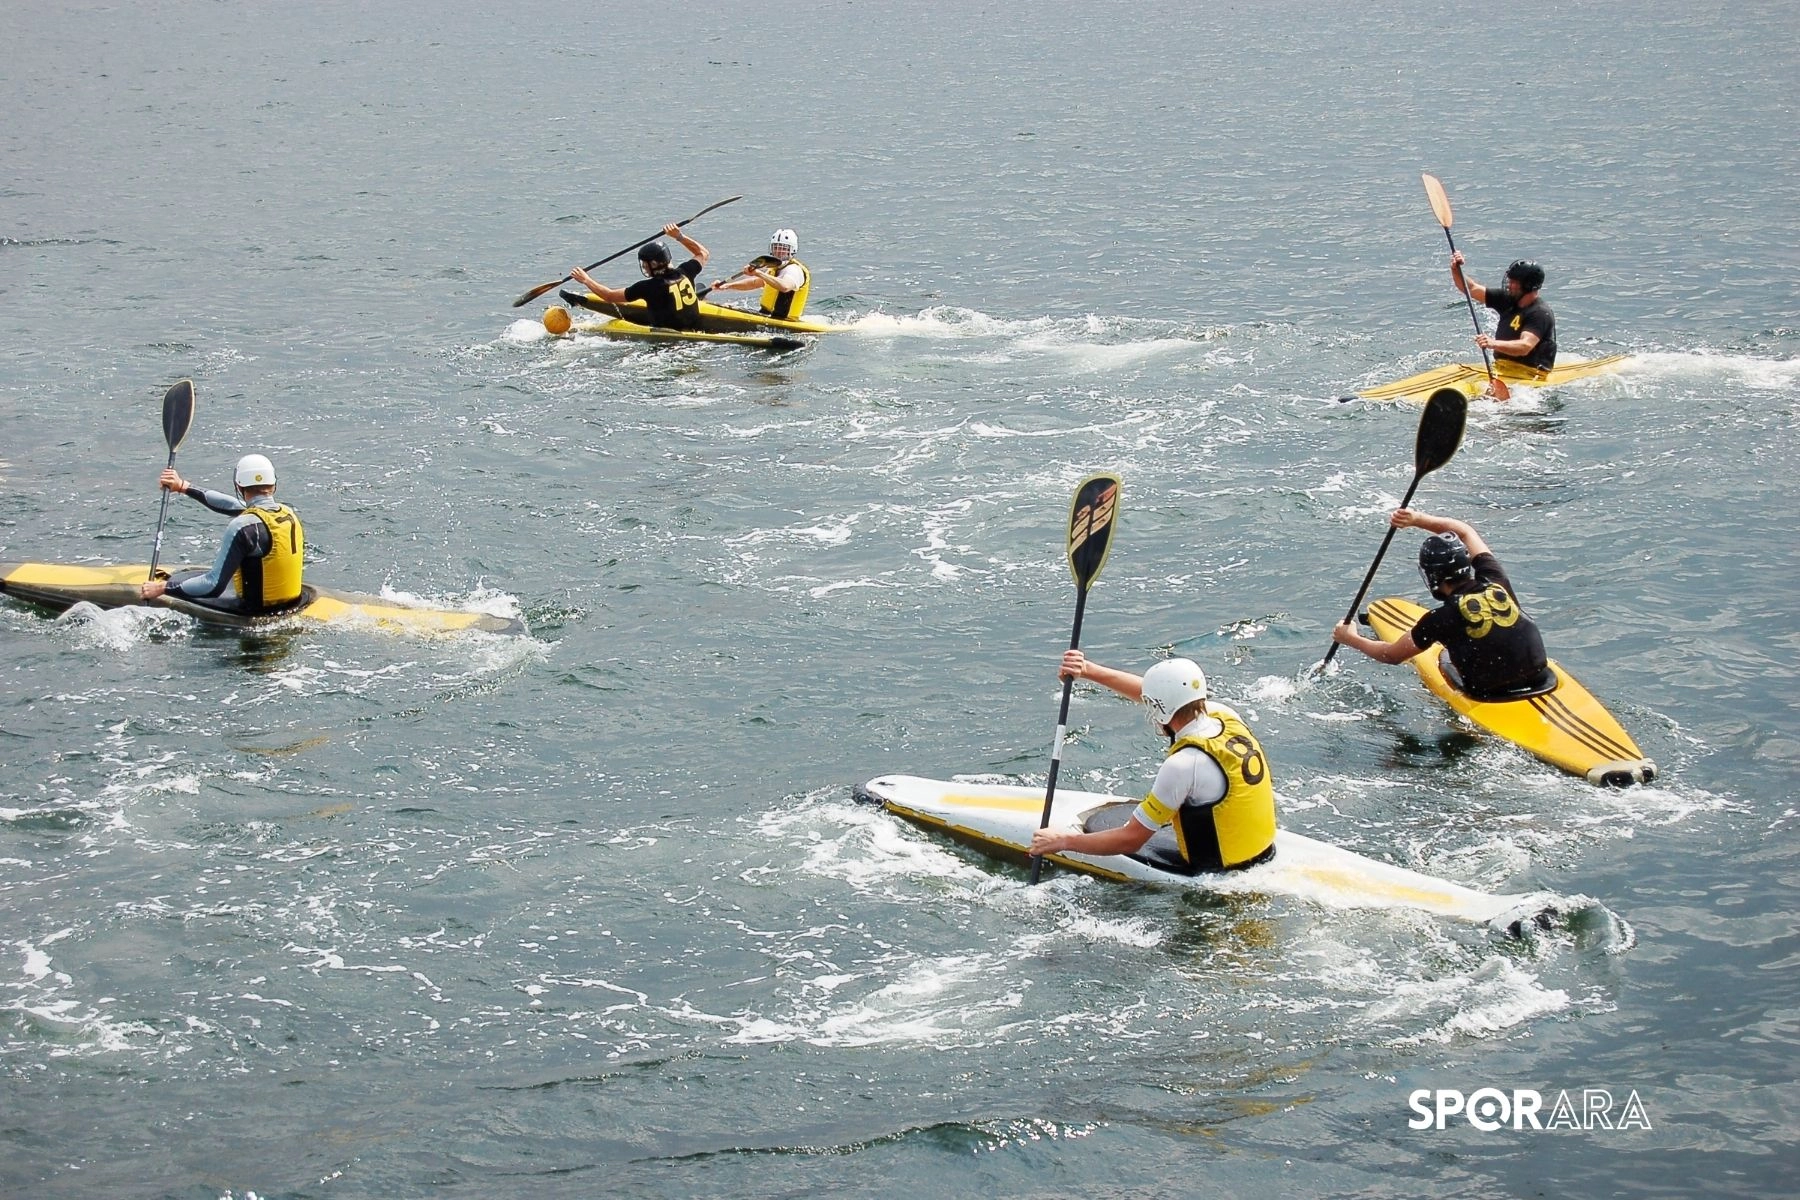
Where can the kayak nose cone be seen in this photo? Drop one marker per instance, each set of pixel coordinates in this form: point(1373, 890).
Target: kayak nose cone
point(1622, 774)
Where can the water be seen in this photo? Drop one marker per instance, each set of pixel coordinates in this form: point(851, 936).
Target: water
point(349, 914)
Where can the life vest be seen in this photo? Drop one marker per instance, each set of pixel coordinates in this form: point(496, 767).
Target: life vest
point(274, 579)
point(1240, 828)
point(787, 306)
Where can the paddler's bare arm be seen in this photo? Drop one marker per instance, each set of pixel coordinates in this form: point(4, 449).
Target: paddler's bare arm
point(610, 295)
point(1075, 665)
point(1396, 651)
point(1518, 347)
point(1124, 840)
point(687, 243)
point(1474, 291)
point(1412, 518)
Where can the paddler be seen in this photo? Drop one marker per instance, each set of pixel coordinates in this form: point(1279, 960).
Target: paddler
point(784, 279)
point(667, 291)
point(1493, 645)
point(263, 550)
point(1527, 326)
point(1213, 785)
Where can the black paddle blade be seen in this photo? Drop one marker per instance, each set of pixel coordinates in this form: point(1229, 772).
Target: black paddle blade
point(1092, 515)
point(178, 413)
point(1440, 429)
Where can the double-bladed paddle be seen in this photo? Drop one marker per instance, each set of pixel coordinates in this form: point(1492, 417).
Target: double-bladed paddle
point(1440, 433)
point(1440, 205)
point(541, 288)
point(178, 414)
point(1092, 515)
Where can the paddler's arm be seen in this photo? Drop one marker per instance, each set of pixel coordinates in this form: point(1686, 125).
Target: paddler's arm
point(1518, 347)
point(687, 243)
point(246, 535)
point(1474, 291)
point(1126, 839)
point(1396, 651)
point(1412, 518)
point(610, 295)
point(1076, 665)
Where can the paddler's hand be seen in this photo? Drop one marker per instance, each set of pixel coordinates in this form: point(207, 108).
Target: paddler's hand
point(1343, 634)
point(1405, 518)
point(672, 230)
point(172, 481)
point(1074, 665)
point(1048, 841)
point(1484, 341)
point(1456, 258)
point(151, 589)
point(582, 277)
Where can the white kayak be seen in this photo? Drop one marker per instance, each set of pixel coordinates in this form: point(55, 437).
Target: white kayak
point(1000, 819)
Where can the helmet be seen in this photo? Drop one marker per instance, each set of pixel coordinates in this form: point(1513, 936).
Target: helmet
point(1443, 558)
point(654, 252)
point(253, 470)
point(784, 243)
point(1528, 273)
point(1171, 686)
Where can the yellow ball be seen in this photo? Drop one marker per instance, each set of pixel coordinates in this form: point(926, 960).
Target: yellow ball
point(556, 319)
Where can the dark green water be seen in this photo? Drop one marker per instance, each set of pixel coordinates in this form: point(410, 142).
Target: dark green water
point(345, 913)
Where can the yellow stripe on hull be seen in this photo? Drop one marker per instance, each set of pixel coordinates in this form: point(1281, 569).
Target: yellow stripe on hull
point(1567, 728)
point(60, 586)
point(1471, 378)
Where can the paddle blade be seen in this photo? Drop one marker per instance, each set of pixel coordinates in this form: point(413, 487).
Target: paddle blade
point(178, 413)
point(1497, 388)
point(537, 291)
point(1440, 203)
point(1440, 430)
point(1092, 515)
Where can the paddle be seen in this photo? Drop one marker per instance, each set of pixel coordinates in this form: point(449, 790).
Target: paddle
point(178, 414)
point(1440, 204)
point(541, 288)
point(1092, 515)
point(1440, 433)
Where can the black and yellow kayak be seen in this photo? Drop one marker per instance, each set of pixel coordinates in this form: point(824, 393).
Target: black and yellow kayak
point(1471, 378)
point(58, 586)
point(1559, 721)
point(720, 325)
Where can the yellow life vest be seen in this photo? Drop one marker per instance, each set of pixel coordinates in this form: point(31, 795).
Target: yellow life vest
point(274, 579)
point(1243, 823)
point(787, 306)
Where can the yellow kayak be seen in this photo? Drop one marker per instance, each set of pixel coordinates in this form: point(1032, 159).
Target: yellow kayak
point(1471, 378)
point(1565, 726)
point(58, 586)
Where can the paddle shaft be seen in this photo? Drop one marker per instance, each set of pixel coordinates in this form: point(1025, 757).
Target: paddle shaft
point(1374, 566)
point(539, 290)
point(1062, 727)
point(162, 517)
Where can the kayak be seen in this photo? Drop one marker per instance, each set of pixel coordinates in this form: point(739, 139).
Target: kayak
point(999, 819)
point(714, 318)
point(1471, 378)
point(57, 587)
point(1560, 723)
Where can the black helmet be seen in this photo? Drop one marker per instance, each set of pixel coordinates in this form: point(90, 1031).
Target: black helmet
point(1528, 273)
point(654, 252)
point(1443, 559)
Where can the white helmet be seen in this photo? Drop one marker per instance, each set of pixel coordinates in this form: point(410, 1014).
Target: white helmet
point(1171, 686)
point(784, 243)
point(253, 470)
